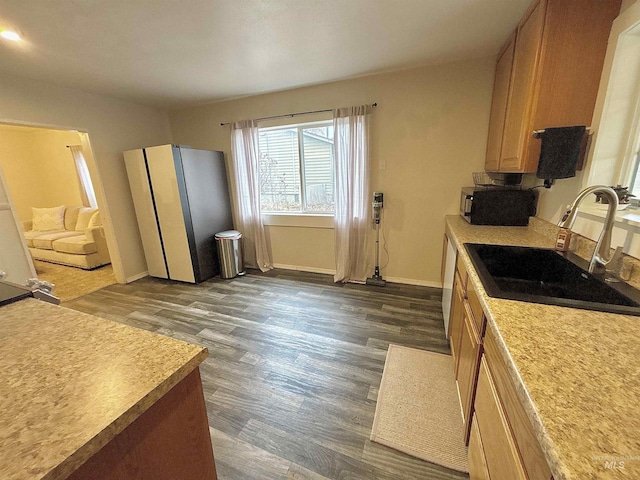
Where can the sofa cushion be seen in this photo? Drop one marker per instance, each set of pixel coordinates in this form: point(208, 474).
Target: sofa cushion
point(78, 245)
point(46, 240)
point(45, 219)
point(84, 217)
point(31, 234)
point(71, 218)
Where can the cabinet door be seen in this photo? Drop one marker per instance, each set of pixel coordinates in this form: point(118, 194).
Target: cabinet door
point(499, 105)
point(470, 350)
point(456, 320)
point(501, 454)
point(573, 51)
point(525, 60)
point(477, 461)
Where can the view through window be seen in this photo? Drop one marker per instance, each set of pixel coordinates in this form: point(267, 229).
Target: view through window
point(635, 175)
point(297, 168)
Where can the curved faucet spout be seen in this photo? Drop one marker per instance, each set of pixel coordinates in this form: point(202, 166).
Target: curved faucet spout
point(602, 253)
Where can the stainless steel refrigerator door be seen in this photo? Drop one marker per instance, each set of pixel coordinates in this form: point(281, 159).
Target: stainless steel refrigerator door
point(206, 205)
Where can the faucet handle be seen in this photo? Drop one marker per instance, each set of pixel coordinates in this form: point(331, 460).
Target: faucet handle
point(615, 262)
point(615, 265)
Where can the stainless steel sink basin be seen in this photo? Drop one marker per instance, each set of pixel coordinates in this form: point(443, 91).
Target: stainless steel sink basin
point(542, 275)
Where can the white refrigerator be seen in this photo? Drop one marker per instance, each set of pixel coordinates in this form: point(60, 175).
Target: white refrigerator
point(181, 199)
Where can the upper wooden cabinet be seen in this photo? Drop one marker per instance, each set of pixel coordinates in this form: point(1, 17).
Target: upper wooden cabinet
point(547, 75)
point(499, 104)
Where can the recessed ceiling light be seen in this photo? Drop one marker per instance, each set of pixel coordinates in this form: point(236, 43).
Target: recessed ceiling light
point(10, 35)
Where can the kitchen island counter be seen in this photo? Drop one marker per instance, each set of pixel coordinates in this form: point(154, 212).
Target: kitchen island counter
point(72, 382)
point(577, 372)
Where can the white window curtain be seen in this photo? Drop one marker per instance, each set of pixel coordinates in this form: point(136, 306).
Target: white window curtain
point(352, 216)
point(245, 172)
point(87, 193)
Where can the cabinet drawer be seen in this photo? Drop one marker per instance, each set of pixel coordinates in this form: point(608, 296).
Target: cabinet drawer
point(501, 454)
point(476, 309)
point(521, 428)
point(462, 272)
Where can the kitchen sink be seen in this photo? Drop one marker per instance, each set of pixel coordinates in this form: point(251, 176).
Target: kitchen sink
point(541, 275)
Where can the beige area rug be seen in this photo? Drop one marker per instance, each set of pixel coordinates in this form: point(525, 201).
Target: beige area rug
point(418, 411)
point(73, 282)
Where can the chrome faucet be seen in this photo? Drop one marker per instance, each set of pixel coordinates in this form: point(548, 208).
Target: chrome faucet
point(602, 254)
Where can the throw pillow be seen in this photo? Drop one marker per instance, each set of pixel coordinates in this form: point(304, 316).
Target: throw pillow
point(84, 217)
point(47, 218)
point(71, 218)
point(96, 220)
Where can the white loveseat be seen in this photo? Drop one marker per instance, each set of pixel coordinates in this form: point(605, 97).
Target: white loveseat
point(67, 235)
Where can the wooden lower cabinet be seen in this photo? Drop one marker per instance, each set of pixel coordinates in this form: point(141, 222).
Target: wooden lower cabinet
point(466, 326)
point(531, 455)
point(500, 451)
point(502, 441)
point(477, 462)
point(469, 353)
point(456, 318)
point(169, 441)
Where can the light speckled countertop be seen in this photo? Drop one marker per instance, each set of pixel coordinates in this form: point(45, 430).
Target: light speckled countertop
point(72, 381)
point(577, 371)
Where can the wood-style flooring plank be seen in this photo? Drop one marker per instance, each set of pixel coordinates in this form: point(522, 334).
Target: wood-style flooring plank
point(295, 364)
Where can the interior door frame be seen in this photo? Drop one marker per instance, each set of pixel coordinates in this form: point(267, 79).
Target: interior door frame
point(96, 180)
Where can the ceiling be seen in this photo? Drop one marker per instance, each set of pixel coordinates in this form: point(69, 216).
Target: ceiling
point(170, 53)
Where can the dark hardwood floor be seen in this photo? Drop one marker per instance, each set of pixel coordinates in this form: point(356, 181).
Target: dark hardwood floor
point(294, 368)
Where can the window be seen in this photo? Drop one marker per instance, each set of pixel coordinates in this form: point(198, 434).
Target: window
point(297, 168)
point(634, 184)
point(615, 153)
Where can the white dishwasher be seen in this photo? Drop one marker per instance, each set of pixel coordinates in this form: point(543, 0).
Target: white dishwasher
point(447, 286)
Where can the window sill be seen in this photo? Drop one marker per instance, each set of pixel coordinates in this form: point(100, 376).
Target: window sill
point(628, 216)
point(308, 220)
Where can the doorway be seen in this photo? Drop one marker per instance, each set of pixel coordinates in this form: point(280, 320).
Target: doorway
point(51, 192)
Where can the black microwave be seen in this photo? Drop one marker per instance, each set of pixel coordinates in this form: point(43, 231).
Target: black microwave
point(498, 206)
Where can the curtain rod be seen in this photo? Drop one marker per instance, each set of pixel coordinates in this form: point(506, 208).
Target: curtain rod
point(373, 105)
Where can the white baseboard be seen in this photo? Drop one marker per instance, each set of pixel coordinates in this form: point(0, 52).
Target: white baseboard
point(413, 281)
point(406, 281)
point(135, 277)
point(302, 268)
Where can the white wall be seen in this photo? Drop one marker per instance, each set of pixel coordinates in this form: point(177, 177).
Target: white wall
point(113, 126)
point(430, 129)
point(38, 167)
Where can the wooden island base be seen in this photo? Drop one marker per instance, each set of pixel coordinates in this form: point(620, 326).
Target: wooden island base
point(170, 441)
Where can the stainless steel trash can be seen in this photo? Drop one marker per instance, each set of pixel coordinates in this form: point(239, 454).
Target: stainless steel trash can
point(229, 245)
